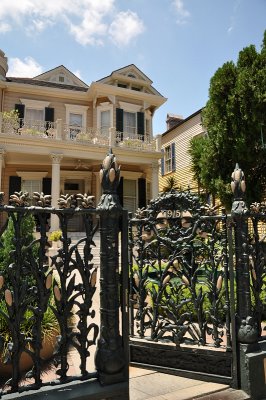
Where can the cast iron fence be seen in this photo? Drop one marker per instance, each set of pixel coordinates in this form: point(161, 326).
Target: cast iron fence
point(62, 291)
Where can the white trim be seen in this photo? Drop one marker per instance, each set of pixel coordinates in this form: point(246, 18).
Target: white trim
point(75, 109)
point(131, 175)
point(31, 175)
point(35, 104)
point(129, 107)
point(75, 174)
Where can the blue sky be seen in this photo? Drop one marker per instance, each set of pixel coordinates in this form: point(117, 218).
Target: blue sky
point(178, 44)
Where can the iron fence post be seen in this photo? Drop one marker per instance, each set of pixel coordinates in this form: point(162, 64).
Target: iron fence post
point(110, 357)
point(247, 329)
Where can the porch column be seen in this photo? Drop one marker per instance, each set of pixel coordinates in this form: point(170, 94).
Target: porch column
point(56, 159)
point(155, 179)
point(98, 187)
point(2, 164)
point(87, 184)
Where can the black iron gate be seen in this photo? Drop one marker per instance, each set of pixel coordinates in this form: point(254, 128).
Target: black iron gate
point(181, 313)
point(197, 297)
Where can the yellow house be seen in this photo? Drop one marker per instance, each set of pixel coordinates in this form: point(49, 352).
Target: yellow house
point(176, 161)
point(65, 128)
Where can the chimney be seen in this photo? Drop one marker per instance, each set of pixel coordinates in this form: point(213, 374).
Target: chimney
point(173, 120)
point(3, 66)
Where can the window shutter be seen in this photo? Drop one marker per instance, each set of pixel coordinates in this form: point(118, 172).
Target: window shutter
point(20, 108)
point(120, 191)
point(119, 121)
point(49, 114)
point(142, 192)
point(162, 163)
point(14, 184)
point(47, 185)
point(173, 156)
point(140, 122)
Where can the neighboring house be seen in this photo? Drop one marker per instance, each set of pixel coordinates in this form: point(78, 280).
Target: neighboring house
point(66, 127)
point(176, 161)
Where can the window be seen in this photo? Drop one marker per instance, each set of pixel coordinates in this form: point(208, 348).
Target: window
point(105, 121)
point(34, 113)
point(61, 79)
point(31, 186)
point(122, 85)
point(129, 195)
point(130, 122)
point(168, 159)
point(105, 117)
point(75, 122)
point(76, 119)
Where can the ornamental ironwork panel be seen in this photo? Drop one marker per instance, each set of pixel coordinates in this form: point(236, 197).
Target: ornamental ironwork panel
point(179, 289)
point(41, 302)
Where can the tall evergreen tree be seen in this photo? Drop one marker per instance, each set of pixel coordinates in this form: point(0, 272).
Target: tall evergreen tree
point(234, 117)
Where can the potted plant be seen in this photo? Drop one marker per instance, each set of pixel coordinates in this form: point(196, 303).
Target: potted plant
point(55, 237)
point(50, 331)
point(10, 285)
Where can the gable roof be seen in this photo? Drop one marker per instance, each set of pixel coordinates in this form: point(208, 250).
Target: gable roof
point(132, 75)
point(35, 82)
point(53, 74)
point(183, 121)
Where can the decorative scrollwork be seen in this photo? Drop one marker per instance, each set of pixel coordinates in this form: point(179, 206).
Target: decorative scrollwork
point(20, 199)
point(85, 200)
point(42, 200)
point(66, 201)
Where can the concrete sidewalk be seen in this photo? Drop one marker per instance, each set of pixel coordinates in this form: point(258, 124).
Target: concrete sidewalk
point(147, 384)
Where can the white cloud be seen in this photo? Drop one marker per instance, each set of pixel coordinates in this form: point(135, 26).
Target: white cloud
point(78, 74)
point(27, 68)
point(4, 27)
point(183, 14)
point(125, 27)
point(89, 21)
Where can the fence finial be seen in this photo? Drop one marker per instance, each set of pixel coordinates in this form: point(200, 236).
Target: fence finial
point(238, 184)
point(109, 178)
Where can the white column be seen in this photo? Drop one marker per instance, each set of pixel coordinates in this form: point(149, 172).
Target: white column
point(2, 164)
point(87, 184)
point(155, 180)
point(56, 159)
point(98, 187)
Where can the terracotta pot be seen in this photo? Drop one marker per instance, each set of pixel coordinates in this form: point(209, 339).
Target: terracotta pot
point(26, 362)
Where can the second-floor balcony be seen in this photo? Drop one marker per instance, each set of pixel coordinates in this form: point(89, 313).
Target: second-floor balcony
point(85, 136)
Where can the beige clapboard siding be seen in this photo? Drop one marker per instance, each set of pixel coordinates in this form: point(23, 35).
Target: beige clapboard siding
point(12, 98)
point(182, 135)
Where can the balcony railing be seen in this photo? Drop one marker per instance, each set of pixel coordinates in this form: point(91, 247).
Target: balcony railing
point(81, 135)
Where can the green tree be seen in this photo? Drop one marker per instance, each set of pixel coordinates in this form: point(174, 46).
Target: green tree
point(234, 117)
point(171, 184)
